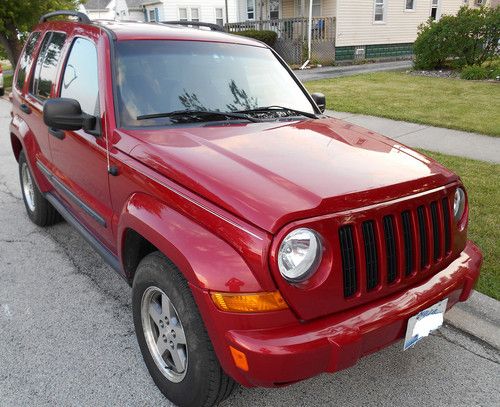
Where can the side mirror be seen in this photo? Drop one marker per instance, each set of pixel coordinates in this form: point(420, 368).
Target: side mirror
point(320, 100)
point(66, 114)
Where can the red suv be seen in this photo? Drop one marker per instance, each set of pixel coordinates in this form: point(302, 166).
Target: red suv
point(265, 242)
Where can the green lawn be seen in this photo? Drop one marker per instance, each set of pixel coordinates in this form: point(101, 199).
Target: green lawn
point(452, 103)
point(482, 181)
point(7, 82)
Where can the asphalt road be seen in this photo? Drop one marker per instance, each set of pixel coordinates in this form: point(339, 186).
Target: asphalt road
point(67, 337)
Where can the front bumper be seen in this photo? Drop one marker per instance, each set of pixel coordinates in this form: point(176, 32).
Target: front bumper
point(288, 352)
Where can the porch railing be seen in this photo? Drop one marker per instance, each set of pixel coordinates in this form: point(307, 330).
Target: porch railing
point(323, 28)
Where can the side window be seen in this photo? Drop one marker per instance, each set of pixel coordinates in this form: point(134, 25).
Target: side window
point(46, 65)
point(80, 76)
point(25, 60)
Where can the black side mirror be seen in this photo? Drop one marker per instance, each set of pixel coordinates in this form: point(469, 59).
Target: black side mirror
point(320, 100)
point(66, 114)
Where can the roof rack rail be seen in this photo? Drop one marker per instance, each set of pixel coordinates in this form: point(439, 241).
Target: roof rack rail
point(213, 27)
point(82, 17)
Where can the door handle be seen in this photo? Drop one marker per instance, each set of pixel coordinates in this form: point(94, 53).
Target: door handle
point(25, 108)
point(59, 134)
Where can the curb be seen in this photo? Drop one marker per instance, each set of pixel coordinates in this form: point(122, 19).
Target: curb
point(479, 317)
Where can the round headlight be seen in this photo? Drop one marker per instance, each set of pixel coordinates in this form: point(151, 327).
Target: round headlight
point(459, 204)
point(299, 254)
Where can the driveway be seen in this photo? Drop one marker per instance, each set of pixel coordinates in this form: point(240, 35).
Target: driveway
point(67, 338)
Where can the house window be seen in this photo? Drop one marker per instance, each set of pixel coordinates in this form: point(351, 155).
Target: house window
point(274, 9)
point(183, 14)
point(379, 15)
point(434, 9)
point(219, 17)
point(154, 15)
point(195, 14)
point(250, 9)
point(410, 4)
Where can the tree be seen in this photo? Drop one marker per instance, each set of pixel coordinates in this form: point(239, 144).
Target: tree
point(18, 17)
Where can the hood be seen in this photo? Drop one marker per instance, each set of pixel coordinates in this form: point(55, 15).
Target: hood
point(270, 174)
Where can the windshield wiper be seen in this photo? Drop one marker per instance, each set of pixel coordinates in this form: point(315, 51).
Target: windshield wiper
point(265, 109)
point(198, 114)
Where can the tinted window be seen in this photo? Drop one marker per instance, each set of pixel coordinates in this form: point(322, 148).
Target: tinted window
point(165, 76)
point(25, 60)
point(80, 76)
point(46, 65)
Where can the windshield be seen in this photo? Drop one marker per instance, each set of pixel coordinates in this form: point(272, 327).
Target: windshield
point(159, 76)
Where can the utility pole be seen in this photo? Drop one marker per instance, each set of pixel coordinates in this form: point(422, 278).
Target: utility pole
point(227, 12)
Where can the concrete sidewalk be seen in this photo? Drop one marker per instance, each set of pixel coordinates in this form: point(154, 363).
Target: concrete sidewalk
point(447, 141)
point(328, 72)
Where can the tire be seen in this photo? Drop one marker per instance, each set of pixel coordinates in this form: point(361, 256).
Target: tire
point(200, 380)
point(39, 210)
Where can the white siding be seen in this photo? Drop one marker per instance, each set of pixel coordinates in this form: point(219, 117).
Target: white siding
point(123, 12)
point(355, 24)
point(106, 13)
point(328, 8)
point(169, 10)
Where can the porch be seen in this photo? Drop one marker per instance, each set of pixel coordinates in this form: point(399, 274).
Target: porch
point(293, 36)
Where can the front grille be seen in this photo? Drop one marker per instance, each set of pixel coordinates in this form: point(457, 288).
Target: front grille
point(408, 241)
point(390, 249)
point(446, 217)
point(371, 257)
point(424, 252)
point(412, 241)
point(348, 260)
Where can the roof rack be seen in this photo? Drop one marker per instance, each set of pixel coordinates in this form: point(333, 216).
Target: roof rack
point(213, 27)
point(82, 18)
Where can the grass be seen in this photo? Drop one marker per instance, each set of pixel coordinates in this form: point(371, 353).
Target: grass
point(452, 103)
point(7, 82)
point(482, 181)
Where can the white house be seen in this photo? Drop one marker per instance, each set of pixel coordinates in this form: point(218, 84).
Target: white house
point(130, 10)
point(375, 28)
point(207, 11)
point(99, 9)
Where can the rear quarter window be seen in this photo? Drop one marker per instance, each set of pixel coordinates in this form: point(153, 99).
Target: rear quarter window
point(47, 64)
point(25, 60)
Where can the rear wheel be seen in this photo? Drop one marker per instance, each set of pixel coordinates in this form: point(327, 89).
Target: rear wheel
point(39, 210)
point(174, 343)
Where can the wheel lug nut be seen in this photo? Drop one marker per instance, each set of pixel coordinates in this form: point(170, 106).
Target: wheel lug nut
point(171, 344)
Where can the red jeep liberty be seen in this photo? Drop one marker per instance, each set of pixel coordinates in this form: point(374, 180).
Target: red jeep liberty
point(265, 242)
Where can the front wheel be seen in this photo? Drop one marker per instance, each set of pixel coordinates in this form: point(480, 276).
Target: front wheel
point(174, 343)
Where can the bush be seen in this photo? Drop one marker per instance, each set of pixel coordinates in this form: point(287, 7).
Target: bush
point(474, 73)
point(469, 38)
point(268, 37)
point(489, 70)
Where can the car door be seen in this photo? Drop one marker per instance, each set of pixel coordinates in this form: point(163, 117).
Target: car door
point(33, 86)
point(79, 159)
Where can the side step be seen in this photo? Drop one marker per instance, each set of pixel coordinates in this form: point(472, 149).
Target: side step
point(107, 256)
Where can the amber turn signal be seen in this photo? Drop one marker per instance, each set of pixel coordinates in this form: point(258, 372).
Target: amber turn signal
point(249, 302)
point(240, 360)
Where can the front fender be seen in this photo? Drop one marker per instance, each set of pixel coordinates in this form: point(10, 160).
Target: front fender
point(207, 261)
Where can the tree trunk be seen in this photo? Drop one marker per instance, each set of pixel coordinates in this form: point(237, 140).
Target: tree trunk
point(12, 45)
